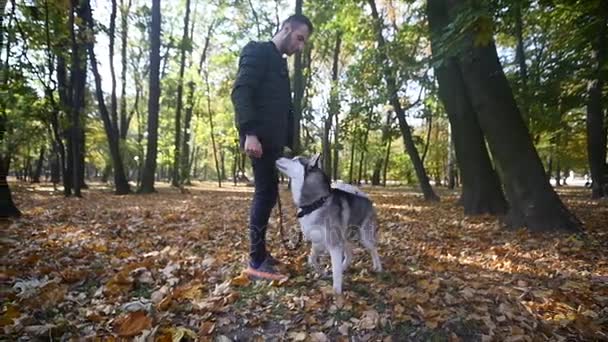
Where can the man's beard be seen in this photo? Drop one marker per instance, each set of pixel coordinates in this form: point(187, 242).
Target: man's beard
point(285, 44)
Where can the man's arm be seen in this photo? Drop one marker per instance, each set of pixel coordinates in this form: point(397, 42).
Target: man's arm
point(251, 70)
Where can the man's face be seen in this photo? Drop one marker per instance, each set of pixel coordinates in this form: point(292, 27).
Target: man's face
point(297, 36)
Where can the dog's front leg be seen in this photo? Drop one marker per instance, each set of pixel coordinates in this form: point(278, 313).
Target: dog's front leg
point(313, 258)
point(336, 254)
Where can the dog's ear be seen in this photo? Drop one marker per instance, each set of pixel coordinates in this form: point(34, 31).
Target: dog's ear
point(315, 160)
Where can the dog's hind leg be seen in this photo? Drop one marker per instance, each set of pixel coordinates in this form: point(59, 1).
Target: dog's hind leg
point(368, 240)
point(336, 253)
point(348, 256)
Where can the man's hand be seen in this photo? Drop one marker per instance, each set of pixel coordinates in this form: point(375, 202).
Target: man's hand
point(253, 147)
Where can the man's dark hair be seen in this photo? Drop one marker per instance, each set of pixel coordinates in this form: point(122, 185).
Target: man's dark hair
point(299, 19)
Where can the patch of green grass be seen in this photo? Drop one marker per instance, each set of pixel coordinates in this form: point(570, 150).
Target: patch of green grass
point(361, 289)
point(401, 330)
point(387, 277)
point(342, 315)
point(142, 291)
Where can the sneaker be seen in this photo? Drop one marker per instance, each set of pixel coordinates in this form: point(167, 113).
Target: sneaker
point(272, 261)
point(264, 271)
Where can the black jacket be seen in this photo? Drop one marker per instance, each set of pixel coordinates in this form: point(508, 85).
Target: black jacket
point(261, 96)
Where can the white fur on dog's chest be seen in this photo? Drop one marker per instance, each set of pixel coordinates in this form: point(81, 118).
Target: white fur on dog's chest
point(313, 227)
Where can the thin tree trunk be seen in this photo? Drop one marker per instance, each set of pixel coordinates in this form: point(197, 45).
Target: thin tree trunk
point(408, 141)
point(364, 147)
point(120, 179)
point(352, 158)
point(7, 205)
point(386, 160)
point(39, 164)
point(298, 91)
point(255, 17)
point(217, 165)
point(533, 202)
point(147, 183)
point(178, 110)
point(78, 75)
point(113, 101)
point(428, 137)
point(451, 163)
point(386, 130)
point(59, 134)
point(520, 55)
point(481, 189)
point(596, 132)
point(124, 24)
point(333, 109)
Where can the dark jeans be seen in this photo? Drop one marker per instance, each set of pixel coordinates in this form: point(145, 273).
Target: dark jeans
point(264, 199)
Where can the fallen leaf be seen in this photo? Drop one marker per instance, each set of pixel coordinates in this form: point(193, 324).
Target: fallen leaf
point(206, 328)
point(133, 324)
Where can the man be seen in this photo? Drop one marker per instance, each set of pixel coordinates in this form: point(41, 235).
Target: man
point(261, 96)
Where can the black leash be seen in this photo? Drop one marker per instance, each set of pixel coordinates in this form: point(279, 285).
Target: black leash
point(284, 240)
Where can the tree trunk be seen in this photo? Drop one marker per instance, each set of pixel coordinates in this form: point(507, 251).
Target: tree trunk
point(558, 174)
point(298, 91)
point(520, 56)
point(352, 158)
point(78, 83)
point(124, 24)
point(39, 164)
point(333, 109)
point(178, 110)
point(386, 160)
point(7, 206)
point(113, 101)
point(451, 163)
point(364, 147)
point(147, 182)
point(428, 137)
point(533, 202)
point(212, 132)
point(408, 141)
point(58, 132)
point(336, 148)
point(481, 190)
point(120, 179)
point(596, 132)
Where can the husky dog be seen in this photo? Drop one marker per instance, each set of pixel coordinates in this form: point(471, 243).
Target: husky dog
point(331, 218)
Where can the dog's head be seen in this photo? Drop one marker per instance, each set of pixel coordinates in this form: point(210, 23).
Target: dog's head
point(308, 181)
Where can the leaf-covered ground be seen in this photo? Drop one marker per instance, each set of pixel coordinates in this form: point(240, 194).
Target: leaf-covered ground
point(167, 267)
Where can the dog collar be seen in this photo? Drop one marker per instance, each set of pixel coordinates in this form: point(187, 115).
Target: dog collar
point(309, 208)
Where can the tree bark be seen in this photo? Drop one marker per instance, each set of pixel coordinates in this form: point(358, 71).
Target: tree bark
point(39, 164)
point(386, 131)
point(7, 205)
point(298, 91)
point(178, 110)
point(520, 55)
point(113, 101)
point(147, 182)
point(78, 83)
point(124, 24)
point(120, 180)
point(533, 202)
point(481, 189)
point(212, 132)
point(408, 141)
point(596, 131)
point(333, 108)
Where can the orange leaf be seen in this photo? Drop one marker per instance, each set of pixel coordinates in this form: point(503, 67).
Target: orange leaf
point(9, 315)
point(206, 328)
point(241, 280)
point(133, 324)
